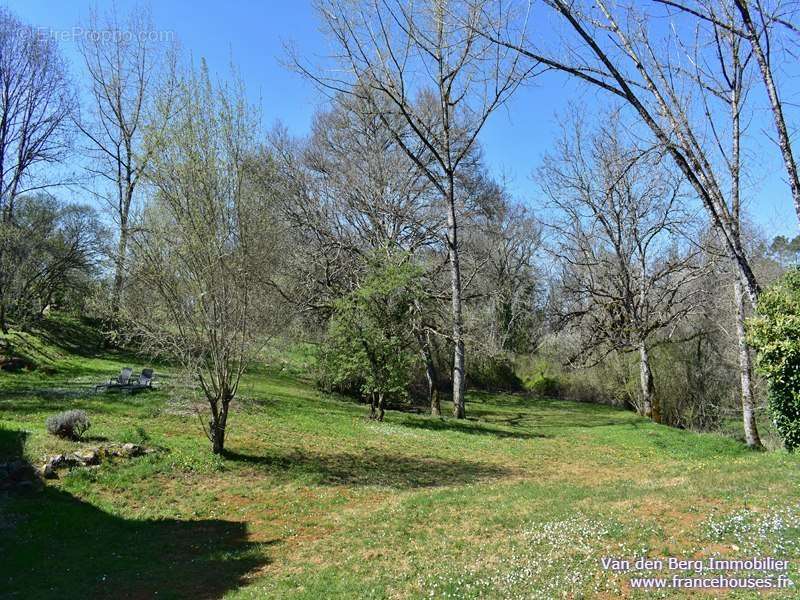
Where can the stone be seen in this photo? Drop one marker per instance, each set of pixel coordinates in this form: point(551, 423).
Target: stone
point(90, 456)
point(131, 450)
point(48, 471)
point(54, 462)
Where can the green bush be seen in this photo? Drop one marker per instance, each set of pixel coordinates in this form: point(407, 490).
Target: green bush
point(135, 435)
point(775, 333)
point(493, 373)
point(369, 341)
point(543, 385)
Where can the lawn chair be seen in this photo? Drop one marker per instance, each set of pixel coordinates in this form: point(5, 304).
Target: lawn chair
point(145, 379)
point(143, 382)
point(121, 380)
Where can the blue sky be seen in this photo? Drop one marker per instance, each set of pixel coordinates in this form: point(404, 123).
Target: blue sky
point(252, 34)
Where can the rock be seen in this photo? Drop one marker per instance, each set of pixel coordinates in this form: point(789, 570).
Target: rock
point(48, 471)
point(14, 363)
point(54, 462)
point(90, 456)
point(130, 450)
point(70, 460)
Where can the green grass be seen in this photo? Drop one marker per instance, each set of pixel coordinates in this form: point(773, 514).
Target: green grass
point(314, 501)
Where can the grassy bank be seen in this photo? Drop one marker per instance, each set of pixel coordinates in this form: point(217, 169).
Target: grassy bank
point(313, 501)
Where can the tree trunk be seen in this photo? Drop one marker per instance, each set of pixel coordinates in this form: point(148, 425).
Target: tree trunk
point(3, 319)
point(433, 397)
point(372, 405)
point(745, 370)
point(784, 141)
point(459, 408)
point(381, 406)
point(217, 427)
point(430, 374)
point(119, 267)
point(650, 407)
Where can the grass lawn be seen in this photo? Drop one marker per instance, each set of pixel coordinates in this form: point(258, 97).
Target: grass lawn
point(522, 500)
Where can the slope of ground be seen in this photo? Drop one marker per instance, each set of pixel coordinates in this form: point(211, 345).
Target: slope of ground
point(523, 500)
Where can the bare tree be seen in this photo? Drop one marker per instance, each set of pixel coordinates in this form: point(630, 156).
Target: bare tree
point(354, 193)
point(628, 274)
point(505, 241)
point(722, 76)
point(36, 100)
point(759, 24)
point(351, 191)
point(615, 49)
point(129, 66)
point(434, 82)
point(759, 38)
point(207, 246)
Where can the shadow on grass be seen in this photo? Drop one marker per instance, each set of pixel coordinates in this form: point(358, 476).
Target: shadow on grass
point(470, 427)
point(372, 468)
point(32, 401)
point(555, 414)
point(76, 336)
point(54, 545)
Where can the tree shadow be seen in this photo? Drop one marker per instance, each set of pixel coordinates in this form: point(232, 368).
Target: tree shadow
point(55, 545)
point(546, 413)
point(79, 336)
point(12, 442)
point(372, 468)
point(471, 427)
point(27, 401)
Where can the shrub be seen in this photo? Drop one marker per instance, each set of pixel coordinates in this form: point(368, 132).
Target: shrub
point(493, 373)
point(368, 338)
point(775, 333)
point(71, 424)
point(136, 435)
point(543, 385)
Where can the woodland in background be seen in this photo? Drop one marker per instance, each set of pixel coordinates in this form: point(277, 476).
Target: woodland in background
point(383, 238)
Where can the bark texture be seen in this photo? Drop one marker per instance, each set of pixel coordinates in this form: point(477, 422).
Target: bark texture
point(745, 369)
point(650, 405)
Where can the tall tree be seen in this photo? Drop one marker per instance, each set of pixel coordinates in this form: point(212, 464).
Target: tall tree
point(208, 246)
point(505, 241)
point(759, 25)
point(434, 83)
point(36, 101)
point(620, 233)
point(129, 66)
point(351, 191)
point(722, 75)
point(615, 48)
